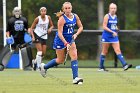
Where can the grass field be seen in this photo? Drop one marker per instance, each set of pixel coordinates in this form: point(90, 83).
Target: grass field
point(94, 63)
point(59, 81)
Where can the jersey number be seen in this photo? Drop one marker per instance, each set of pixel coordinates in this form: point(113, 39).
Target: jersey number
point(19, 27)
point(113, 26)
point(70, 30)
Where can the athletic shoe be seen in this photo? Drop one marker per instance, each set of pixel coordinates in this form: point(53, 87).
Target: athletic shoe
point(126, 67)
point(27, 68)
point(34, 63)
point(1, 67)
point(102, 70)
point(42, 70)
point(78, 80)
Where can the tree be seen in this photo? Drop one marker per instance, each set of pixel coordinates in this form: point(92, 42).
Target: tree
point(138, 17)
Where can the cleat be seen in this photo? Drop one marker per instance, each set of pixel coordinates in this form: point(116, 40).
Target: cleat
point(78, 80)
point(126, 67)
point(42, 70)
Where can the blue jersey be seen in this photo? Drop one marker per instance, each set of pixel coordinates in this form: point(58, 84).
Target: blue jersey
point(69, 26)
point(112, 25)
point(68, 31)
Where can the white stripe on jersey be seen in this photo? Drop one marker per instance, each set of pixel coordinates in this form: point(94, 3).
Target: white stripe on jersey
point(42, 27)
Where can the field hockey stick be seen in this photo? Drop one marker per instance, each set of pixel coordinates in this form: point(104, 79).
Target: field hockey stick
point(23, 45)
point(66, 56)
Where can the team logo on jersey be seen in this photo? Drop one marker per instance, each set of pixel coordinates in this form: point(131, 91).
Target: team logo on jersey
point(113, 22)
point(58, 46)
point(103, 40)
point(19, 25)
point(71, 25)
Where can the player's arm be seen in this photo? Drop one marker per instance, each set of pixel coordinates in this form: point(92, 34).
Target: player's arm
point(30, 30)
point(60, 24)
point(8, 29)
point(26, 24)
point(9, 39)
point(80, 27)
point(51, 24)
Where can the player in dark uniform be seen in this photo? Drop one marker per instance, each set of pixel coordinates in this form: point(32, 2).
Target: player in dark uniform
point(16, 29)
point(17, 25)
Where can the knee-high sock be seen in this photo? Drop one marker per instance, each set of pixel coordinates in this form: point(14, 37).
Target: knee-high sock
point(50, 64)
point(39, 58)
point(74, 67)
point(122, 60)
point(102, 59)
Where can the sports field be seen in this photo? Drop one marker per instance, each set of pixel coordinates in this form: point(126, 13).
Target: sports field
point(59, 81)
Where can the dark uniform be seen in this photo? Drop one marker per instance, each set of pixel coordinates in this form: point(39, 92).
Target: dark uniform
point(17, 28)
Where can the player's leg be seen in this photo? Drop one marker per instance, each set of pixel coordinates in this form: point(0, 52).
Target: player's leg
point(44, 49)
point(5, 55)
point(54, 62)
point(116, 47)
point(105, 47)
point(74, 64)
point(39, 54)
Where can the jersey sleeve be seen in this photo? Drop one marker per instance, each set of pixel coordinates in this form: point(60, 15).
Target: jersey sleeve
point(8, 26)
point(25, 23)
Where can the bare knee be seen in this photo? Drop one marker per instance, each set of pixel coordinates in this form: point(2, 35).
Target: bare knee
point(104, 52)
point(73, 53)
point(74, 56)
point(117, 51)
point(60, 60)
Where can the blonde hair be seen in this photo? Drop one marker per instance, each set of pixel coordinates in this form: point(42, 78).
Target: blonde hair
point(60, 13)
point(112, 4)
point(65, 4)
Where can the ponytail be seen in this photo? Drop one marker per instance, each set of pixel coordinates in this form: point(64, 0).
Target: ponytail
point(59, 14)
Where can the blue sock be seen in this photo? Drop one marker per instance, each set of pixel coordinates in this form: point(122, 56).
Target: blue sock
point(50, 64)
point(102, 60)
point(74, 67)
point(122, 60)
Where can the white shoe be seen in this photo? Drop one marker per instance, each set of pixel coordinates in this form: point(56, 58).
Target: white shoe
point(78, 80)
point(126, 67)
point(42, 70)
point(102, 70)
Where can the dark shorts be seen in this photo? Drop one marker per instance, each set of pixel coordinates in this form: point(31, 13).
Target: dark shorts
point(40, 40)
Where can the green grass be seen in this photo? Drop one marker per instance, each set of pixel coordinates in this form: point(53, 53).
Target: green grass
point(94, 63)
point(59, 80)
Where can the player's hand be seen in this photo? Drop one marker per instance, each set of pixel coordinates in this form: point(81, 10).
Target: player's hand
point(10, 40)
point(49, 31)
point(33, 39)
point(74, 36)
point(68, 46)
point(117, 29)
point(29, 30)
point(115, 34)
